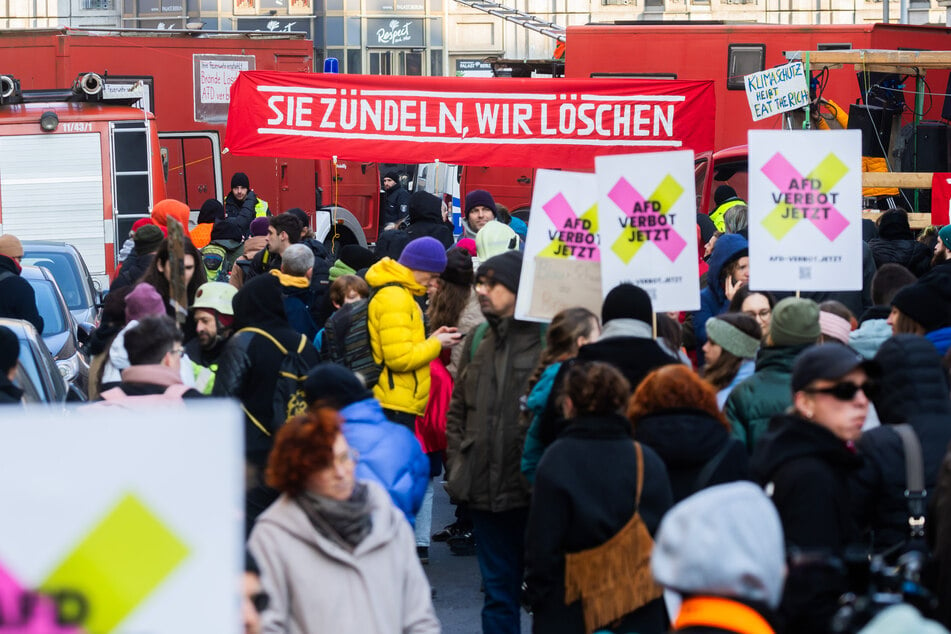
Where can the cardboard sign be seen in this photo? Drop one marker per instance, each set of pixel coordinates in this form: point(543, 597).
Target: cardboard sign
point(805, 210)
point(562, 263)
point(776, 90)
point(121, 521)
point(647, 217)
point(554, 123)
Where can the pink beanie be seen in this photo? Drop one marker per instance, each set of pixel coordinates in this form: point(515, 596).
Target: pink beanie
point(834, 327)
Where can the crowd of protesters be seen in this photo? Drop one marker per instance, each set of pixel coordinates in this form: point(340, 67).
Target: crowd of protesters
point(747, 467)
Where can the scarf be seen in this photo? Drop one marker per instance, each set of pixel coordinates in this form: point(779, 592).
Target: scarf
point(346, 523)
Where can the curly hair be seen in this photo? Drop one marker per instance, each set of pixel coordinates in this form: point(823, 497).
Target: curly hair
point(595, 387)
point(303, 445)
point(673, 387)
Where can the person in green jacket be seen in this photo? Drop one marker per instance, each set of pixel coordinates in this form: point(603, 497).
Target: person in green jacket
point(794, 327)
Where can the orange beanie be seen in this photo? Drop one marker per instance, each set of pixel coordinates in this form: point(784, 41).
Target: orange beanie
point(171, 208)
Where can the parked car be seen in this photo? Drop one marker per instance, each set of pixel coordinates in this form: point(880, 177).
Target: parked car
point(37, 373)
point(63, 260)
point(61, 333)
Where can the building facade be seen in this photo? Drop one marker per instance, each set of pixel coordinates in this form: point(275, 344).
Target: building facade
point(436, 37)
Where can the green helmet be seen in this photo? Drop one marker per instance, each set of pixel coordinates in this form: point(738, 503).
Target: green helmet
point(215, 296)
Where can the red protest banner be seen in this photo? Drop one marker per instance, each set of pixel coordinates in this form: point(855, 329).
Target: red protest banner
point(556, 123)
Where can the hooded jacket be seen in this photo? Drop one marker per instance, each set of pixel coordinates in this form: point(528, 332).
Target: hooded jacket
point(908, 252)
point(149, 380)
point(870, 336)
point(244, 211)
point(805, 469)
point(316, 586)
point(767, 393)
point(17, 298)
point(687, 440)
point(299, 300)
point(713, 299)
point(398, 338)
point(485, 430)
point(249, 365)
point(916, 394)
point(389, 455)
point(585, 491)
point(425, 219)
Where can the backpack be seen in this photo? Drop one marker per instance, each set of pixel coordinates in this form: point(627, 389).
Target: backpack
point(289, 398)
point(215, 258)
point(347, 339)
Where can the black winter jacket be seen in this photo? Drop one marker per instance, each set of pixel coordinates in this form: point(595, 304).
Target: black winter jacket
point(17, 298)
point(584, 494)
point(427, 221)
point(132, 270)
point(911, 254)
point(395, 200)
point(243, 211)
point(916, 393)
point(248, 367)
point(687, 440)
point(805, 469)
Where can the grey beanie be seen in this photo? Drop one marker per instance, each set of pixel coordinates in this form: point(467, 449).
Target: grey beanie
point(725, 541)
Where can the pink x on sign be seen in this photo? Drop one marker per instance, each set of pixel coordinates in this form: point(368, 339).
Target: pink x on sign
point(807, 197)
point(648, 219)
point(577, 234)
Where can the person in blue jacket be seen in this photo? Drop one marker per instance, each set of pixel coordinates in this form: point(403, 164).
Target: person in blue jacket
point(389, 454)
point(729, 270)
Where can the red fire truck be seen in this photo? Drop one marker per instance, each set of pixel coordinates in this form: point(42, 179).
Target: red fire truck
point(186, 76)
point(76, 165)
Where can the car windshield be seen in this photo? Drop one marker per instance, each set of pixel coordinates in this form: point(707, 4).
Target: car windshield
point(49, 307)
point(64, 272)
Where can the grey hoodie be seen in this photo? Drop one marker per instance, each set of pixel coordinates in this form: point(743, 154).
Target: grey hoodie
point(316, 586)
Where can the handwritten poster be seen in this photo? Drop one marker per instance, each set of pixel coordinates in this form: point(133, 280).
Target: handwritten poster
point(647, 218)
point(562, 264)
point(805, 210)
point(776, 90)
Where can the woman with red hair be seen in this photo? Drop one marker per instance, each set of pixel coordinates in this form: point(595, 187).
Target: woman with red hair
point(675, 413)
point(335, 554)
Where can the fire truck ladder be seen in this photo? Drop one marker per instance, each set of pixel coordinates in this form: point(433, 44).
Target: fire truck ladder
point(529, 21)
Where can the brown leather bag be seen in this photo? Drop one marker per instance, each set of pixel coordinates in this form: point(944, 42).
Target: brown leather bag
point(614, 579)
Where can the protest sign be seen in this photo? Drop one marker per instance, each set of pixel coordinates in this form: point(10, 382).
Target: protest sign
point(805, 210)
point(121, 521)
point(647, 218)
point(562, 264)
point(777, 90)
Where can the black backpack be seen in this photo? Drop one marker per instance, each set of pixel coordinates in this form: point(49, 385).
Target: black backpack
point(347, 339)
point(289, 398)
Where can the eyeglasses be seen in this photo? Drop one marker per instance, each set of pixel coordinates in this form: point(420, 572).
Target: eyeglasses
point(343, 459)
point(260, 601)
point(763, 314)
point(177, 351)
point(845, 391)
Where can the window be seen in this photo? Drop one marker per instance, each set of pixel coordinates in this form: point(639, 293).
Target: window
point(832, 46)
point(621, 2)
point(636, 75)
point(97, 5)
point(354, 61)
point(435, 62)
point(743, 59)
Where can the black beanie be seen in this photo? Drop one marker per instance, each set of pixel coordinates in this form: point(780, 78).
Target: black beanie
point(9, 349)
point(211, 210)
point(301, 215)
point(504, 269)
point(627, 301)
point(893, 225)
point(723, 194)
point(357, 257)
point(458, 269)
point(423, 205)
point(147, 239)
point(336, 385)
point(392, 175)
point(922, 305)
point(227, 229)
point(240, 179)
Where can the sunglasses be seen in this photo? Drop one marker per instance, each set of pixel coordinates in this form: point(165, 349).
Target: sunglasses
point(846, 390)
point(260, 600)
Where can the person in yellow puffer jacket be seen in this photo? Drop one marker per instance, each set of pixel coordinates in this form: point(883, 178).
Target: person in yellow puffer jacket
point(397, 331)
